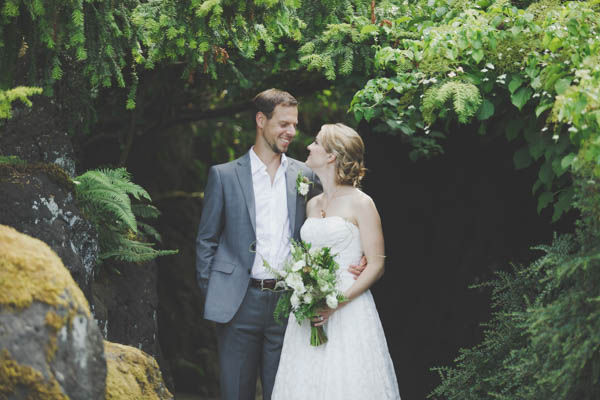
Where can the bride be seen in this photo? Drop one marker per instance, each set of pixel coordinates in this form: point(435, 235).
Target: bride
point(355, 362)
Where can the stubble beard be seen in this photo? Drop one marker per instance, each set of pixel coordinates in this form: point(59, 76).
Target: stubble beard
point(276, 149)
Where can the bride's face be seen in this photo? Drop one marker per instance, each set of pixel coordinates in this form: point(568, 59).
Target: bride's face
point(317, 156)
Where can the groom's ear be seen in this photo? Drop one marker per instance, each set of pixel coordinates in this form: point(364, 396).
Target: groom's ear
point(260, 119)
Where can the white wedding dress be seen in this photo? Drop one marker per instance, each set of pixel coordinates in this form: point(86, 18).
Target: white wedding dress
point(355, 363)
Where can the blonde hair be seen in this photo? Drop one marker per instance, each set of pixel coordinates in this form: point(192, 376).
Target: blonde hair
point(349, 149)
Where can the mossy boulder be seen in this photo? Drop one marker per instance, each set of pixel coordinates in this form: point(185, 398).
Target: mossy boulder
point(133, 374)
point(50, 346)
point(37, 200)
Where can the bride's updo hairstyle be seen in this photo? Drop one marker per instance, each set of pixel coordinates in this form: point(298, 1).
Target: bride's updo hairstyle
point(349, 150)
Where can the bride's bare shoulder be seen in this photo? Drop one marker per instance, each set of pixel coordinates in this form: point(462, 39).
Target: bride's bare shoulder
point(361, 199)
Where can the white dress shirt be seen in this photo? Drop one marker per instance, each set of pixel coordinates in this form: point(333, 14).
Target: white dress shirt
point(272, 220)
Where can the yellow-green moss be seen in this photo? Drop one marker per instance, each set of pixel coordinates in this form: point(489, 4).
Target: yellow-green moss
point(54, 322)
point(132, 374)
point(17, 172)
point(31, 271)
point(13, 376)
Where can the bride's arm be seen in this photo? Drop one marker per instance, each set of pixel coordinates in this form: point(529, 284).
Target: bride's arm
point(371, 235)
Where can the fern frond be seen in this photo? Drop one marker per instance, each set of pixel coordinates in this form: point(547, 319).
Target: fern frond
point(104, 196)
point(148, 230)
point(143, 210)
point(99, 193)
point(131, 250)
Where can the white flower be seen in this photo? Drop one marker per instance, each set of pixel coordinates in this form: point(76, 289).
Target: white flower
point(303, 188)
point(298, 265)
point(490, 65)
point(572, 129)
point(459, 69)
point(307, 298)
point(555, 137)
point(332, 301)
point(484, 70)
point(295, 300)
point(451, 74)
point(294, 281)
point(544, 129)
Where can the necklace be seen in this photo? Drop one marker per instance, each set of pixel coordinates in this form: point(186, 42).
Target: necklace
point(324, 209)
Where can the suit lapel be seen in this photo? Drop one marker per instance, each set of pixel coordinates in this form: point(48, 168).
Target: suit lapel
point(244, 174)
point(290, 176)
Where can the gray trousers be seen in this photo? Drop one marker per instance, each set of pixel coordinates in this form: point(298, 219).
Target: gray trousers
point(250, 342)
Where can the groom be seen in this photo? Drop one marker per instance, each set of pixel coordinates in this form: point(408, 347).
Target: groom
point(251, 210)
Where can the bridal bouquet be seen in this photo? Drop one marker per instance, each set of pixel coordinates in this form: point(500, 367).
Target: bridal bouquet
point(309, 279)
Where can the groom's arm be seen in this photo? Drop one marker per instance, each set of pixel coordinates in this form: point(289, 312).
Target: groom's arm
point(209, 230)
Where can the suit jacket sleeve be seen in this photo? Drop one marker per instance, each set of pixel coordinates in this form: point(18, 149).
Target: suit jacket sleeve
point(210, 228)
point(316, 187)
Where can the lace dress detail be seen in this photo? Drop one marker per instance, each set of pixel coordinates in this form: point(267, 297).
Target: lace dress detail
point(355, 363)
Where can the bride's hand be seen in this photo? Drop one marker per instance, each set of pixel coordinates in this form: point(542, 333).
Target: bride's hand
point(324, 314)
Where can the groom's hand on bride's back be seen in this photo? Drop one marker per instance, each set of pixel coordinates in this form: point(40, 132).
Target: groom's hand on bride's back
point(356, 270)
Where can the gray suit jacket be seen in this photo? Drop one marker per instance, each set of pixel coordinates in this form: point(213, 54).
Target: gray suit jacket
point(227, 233)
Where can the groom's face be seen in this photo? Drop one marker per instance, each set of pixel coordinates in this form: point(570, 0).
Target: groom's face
point(280, 129)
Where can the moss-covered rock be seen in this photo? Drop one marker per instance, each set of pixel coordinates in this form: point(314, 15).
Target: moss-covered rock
point(50, 346)
point(37, 200)
point(132, 374)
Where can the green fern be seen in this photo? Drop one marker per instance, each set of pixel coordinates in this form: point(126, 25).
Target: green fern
point(104, 197)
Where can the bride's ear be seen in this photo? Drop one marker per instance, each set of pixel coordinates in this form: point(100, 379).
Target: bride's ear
point(331, 157)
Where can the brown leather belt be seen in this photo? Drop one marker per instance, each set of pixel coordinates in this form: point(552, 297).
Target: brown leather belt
point(263, 283)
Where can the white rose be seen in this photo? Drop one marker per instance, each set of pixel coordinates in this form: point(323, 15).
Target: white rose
point(295, 300)
point(303, 188)
point(298, 265)
point(331, 301)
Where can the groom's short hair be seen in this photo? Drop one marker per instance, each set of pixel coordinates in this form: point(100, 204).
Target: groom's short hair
point(267, 100)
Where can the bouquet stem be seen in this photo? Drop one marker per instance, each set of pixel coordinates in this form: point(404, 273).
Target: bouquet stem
point(317, 336)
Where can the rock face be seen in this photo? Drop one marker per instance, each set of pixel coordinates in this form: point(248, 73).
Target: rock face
point(50, 346)
point(132, 374)
point(125, 306)
point(37, 200)
point(38, 134)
